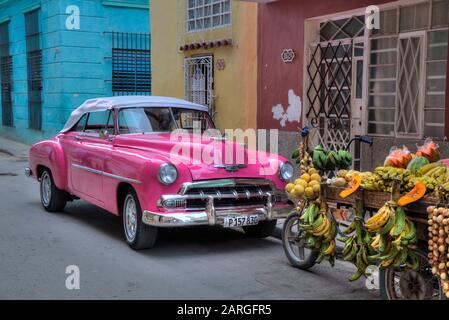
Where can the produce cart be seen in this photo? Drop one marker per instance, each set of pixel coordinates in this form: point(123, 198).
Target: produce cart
point(395, 282)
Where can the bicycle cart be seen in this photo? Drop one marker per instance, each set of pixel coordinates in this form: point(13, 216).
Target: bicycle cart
point(395, 283)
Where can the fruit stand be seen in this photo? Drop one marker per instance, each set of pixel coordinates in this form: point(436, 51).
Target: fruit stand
point(399, 224)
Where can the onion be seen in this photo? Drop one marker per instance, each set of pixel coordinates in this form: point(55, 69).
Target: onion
point(430, 209)
point(441, 266)
point(441, 248)
point(434, 270)
point(443, 276)
point(440, 218)
point(430, 221)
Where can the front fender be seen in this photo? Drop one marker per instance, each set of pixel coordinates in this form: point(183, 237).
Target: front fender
point(50, 154)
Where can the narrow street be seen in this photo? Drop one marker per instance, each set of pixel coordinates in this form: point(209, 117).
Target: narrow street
point(196, 263)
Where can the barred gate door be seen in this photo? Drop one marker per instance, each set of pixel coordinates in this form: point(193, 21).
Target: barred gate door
point(329, 93)
point(198, 80)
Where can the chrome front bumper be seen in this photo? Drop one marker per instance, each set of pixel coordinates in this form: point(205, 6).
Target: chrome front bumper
point(211, 216)
point(274, 206)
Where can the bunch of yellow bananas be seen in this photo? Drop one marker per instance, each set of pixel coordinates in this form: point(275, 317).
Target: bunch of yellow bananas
point(382, 179)
point(319, 232)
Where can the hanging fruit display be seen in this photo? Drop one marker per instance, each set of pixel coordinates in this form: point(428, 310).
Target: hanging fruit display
point(307, 186)
point(357, 248)
point(438, 244)
point(318, 232)
point(331, 160)
point(395, 237)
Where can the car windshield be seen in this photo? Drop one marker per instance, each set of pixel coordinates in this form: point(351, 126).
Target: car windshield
point(142, 120)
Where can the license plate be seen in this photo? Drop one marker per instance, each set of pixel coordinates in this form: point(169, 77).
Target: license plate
point(240, 221)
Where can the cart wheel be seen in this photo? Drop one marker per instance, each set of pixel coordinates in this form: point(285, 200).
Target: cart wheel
point(404, 284)
point(298, 255)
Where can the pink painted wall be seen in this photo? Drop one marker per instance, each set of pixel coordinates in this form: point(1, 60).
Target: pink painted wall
point(281, 25)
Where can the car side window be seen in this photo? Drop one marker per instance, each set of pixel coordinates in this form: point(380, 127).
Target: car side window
point(79, 127)
point(98, 121)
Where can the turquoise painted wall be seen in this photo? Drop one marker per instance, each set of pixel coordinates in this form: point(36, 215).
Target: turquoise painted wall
point(76, 64)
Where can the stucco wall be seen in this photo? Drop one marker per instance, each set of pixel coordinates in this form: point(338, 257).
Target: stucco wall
point(282, 25)
point(76, 64)
point(235, 87)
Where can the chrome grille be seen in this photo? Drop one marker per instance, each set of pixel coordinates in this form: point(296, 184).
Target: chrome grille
point(241, 195)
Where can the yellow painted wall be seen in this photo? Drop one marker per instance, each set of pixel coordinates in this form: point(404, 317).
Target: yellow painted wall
point(235, 87)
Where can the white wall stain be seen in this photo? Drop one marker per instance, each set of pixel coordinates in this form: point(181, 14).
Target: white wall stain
point(293, 112)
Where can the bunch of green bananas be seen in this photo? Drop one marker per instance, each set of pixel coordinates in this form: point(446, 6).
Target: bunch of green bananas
point(357, 248)
point(319, 232)
point(331, 160)
point(396, 237)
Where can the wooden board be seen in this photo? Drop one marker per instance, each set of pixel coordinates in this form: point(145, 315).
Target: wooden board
point(376, 199)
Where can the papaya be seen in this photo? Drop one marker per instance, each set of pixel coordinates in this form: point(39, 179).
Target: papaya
point(417, 163)
point(414, 195)
point(354, 185)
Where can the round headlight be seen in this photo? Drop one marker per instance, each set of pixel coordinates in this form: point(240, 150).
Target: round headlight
point(167, 173)
point(286, 171)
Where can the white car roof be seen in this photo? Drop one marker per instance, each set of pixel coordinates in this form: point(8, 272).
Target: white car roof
point(120, 102)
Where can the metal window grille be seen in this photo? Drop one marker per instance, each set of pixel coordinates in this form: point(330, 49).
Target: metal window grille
point(408, 115)
point(6, 75)
point(131, 63)
point(208, 14)
point(34, 69)
point(342, 29)
point(398, 104)
point(199, 79)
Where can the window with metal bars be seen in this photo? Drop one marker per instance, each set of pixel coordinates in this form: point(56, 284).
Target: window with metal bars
point(131, 63)
point(34, 69)
point(208, 14)
point(410, 49)
point(6, 75)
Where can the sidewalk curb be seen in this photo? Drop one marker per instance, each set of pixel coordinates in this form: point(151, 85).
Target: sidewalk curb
point(13, 148)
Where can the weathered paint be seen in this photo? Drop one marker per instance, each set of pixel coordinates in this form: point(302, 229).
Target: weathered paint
point(235, 87)
point(76, 64)
point(282, 26)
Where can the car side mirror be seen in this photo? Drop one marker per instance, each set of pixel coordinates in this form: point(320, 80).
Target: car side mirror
point(104, 134)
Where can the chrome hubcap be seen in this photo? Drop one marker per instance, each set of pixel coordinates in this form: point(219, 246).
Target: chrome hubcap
point(130, 214)
point(46, 188)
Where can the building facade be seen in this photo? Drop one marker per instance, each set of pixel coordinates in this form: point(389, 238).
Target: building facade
point(55, 54)
point(206, 51)
point(346, 80)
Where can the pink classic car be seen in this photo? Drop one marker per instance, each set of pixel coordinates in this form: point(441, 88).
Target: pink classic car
point(118, 153)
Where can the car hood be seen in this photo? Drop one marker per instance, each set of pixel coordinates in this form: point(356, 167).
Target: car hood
point(206, 158)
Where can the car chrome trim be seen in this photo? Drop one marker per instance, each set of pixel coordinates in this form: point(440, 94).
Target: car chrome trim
point(212, 215)
point(224, 183)
point(106, 174)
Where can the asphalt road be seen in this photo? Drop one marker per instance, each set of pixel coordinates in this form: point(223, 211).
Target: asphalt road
point(196, 263)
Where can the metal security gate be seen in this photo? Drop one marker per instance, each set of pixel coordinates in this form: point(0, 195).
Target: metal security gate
point(131, 63)
point(34, 69)
point(199, 80)
point(334, 84)
point(6, 75)
point(329, 93)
